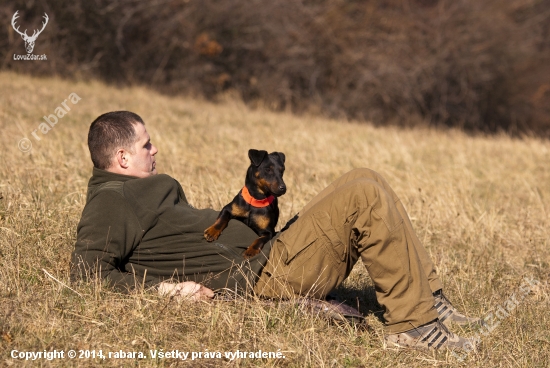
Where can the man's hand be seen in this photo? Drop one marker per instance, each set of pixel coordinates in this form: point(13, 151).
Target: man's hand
point(186, 290)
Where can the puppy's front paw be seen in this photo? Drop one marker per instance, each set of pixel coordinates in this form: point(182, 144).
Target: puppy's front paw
point(250, 252)
point(212, 233)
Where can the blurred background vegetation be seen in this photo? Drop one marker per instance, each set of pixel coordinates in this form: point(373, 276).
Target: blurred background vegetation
point(480, 65)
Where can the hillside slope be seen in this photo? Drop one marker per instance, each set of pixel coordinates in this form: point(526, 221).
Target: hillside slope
point(480, 205)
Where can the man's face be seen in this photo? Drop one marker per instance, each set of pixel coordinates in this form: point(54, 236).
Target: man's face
point(141, 161)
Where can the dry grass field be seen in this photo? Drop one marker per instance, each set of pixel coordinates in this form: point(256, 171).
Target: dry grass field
point(481, 205)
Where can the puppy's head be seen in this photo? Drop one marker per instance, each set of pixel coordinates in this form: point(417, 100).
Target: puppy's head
point(266, 171)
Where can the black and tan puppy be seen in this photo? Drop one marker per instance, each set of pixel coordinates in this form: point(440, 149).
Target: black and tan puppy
point(256, 204)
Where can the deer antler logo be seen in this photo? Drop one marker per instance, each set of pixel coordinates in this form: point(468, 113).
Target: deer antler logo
point(29, 41)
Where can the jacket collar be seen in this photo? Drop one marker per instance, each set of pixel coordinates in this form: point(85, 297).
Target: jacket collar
point(102, 176)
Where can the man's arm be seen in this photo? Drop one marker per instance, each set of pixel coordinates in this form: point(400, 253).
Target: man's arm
point(107, 234)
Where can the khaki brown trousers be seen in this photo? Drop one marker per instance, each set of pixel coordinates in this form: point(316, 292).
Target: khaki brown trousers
point(358, 215)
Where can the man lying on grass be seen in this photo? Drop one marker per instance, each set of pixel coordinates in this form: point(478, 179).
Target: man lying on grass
point(137, 228)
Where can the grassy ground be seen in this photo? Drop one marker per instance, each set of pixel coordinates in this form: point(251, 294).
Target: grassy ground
point(480, 204)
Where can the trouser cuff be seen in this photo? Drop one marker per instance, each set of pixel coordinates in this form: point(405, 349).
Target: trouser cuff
point(435, 285)
point(409, 325)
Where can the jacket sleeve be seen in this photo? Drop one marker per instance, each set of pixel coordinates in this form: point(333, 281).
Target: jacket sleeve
point(107, 234)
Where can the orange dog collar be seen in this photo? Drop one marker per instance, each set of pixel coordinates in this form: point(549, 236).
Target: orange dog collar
point(256, 202)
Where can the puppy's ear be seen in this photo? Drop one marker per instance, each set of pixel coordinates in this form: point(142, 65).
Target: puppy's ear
point(280, 155)
point(256, 156)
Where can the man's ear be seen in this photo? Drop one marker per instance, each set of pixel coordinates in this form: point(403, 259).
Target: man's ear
point(256, 156)
point(121, 158)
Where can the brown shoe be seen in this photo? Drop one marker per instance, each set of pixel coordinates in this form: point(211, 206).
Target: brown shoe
point(449, 314)
point(433, 335)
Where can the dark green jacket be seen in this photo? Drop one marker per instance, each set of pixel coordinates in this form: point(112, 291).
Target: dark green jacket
point(142, 231)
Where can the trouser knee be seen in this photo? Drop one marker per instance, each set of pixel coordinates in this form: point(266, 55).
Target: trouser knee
point(363, 172)
point(363, 188)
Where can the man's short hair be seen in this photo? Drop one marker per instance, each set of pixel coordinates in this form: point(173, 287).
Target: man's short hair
point(110, 132)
